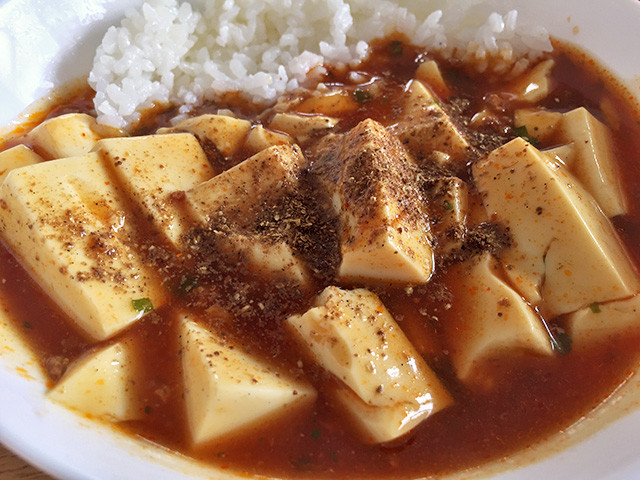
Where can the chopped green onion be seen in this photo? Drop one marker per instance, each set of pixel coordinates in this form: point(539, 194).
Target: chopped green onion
point(448, 205)
point(187, 284)
point(301, 462)
point(560, 341)
point(361, 96)
point(522, 132)
point(26, 325)
point(595, 307)
point(143, 305)
point(396, 48)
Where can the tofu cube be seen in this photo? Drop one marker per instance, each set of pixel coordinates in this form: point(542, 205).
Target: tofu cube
point(600, 322)
point(448, 208)
point(541, 125)
point(101, 384)
point(490, 319)
point(260, 138)
point(265, 257)
point(302, 127)
point(239, 192)
point(69, 135)
point(566, 253)
point(429, 73)
point(226, 389)
point(591, 158)
point(152, 168)
point(594, 162)
point(226, 133)
point(425, 126)
point(561, 155)
point(339, 101)
point(16, 157)
point(65, 220)
point(385, 235)
point(385, 386)
point(535, 85)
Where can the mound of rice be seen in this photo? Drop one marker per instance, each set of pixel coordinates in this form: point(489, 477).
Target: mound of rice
point(189, 52)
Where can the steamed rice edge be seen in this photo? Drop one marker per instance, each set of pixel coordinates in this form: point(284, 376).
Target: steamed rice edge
point(186, 53)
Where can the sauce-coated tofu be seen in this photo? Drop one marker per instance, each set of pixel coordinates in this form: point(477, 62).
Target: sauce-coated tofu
point(490, 319)
point(592, 157)
point(594, 161)
point(338, 101)
point(69, 135)
point(536, 84)
point(266, 258)
point(600, 321)
point(153, 167)
point(561, 155)
point(226, 389)
point(541, 125)
point(65, 220)
point(565, 252)
point(16, 157)
point(302, 127)
point(101, 384)
point(385, 235)
point(238, 192)
point(449, 208)
point(260, 138)
point(425, 126)
point(226, 133)
point(429, 73)
point(386, 387)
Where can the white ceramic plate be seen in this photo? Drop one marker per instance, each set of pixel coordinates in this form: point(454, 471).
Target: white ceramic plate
point(44, 43)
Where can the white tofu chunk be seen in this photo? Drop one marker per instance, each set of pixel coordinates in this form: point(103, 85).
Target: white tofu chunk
point(594, 161)
point(541, 125)
point(153, 167)
point(70, 135)
point(429, 73)
point(490, 319)
point(387, 388)
point(385, 236)
point(302, 127)
point(226, 133)
point(535, 85)
point(226, 389)
point(425, 126)
point(260, 138)
point(64, 219)
point(101, 384)
point(266, 258)
point(238, 192)
point(561, 155)
point(449, 207)
point(599, 322)
point(335, 101)
point(16, 157)
point(565, 252)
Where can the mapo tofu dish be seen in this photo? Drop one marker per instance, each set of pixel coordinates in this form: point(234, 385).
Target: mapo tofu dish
point(404, 270)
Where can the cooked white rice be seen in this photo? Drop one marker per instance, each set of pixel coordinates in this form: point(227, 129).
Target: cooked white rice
point(187, 52)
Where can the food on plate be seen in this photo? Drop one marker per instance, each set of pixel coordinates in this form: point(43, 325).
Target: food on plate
point(409, 265)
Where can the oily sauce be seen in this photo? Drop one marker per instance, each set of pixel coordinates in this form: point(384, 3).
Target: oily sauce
point(518, 400)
